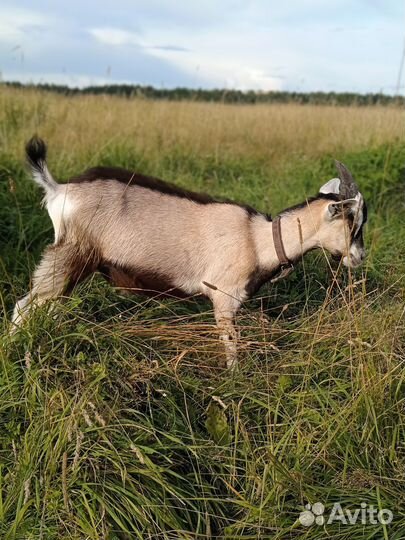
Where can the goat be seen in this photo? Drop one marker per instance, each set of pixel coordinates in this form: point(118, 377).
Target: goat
point(143, 234)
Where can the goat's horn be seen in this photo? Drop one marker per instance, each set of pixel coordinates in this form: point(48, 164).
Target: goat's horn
point(348, 187)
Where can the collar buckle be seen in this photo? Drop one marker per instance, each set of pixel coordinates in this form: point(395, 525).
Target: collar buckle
point(285, 270)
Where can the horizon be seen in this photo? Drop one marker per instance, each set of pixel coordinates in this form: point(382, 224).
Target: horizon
point(83, 89)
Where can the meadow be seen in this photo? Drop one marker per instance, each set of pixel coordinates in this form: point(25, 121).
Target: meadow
point(116, 422)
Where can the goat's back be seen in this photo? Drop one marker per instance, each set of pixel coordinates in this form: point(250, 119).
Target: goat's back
point(159, 231)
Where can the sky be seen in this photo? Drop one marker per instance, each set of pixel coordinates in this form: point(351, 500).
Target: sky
point(295, 45)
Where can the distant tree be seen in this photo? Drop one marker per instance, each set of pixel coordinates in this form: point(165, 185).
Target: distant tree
point(219, 95)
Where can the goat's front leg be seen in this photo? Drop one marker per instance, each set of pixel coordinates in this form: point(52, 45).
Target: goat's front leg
point(225, 310)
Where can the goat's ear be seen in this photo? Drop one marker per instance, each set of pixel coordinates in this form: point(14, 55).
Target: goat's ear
point(336, 209)
point(348, 188)
point(332, 186)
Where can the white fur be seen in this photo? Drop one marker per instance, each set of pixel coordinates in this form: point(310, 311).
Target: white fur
point(18, 310)
point(332, 186)
point(44, 179)
point(358, 212)
point(60, 207)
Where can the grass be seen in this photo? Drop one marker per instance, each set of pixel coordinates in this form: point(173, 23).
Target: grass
point(116, 422)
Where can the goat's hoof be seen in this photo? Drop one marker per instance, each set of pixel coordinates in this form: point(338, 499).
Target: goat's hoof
point(232, 364)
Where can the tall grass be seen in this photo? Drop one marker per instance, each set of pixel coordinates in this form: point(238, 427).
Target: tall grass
point(116, 422)
point(85, 125)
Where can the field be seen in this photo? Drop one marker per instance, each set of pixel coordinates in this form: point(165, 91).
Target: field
point(116, 422)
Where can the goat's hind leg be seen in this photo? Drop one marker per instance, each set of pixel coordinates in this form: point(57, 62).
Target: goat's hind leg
point(52, 277)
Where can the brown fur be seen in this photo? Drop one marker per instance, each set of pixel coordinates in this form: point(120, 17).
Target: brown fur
point(131, 178)
point(134, 281)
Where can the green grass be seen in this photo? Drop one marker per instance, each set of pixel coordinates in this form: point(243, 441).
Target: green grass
point(116, 422)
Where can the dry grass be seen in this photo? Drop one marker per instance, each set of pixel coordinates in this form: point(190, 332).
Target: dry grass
point(86, 124)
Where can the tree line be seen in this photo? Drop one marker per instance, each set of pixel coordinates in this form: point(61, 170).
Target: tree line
point(220, 95)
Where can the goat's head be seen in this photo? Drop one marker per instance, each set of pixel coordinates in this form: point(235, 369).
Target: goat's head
point(344, 218)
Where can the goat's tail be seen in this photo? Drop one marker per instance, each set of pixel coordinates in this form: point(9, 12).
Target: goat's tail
point(36, 156)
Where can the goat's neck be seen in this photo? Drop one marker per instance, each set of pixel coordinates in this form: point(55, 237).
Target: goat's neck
point(299, 233)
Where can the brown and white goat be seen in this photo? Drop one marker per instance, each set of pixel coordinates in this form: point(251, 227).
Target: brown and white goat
point(143, 234)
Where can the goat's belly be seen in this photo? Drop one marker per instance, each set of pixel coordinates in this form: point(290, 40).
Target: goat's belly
point(138, 281)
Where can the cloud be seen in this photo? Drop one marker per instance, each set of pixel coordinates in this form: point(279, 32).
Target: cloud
point(15, 23)
point(119, 37)
point(60, 50)
point(263, 44)
point(173, 48)
point(115, 36)
point(248, 50)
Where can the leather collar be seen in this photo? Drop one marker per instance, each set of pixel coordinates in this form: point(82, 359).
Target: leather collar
point(286, 266)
